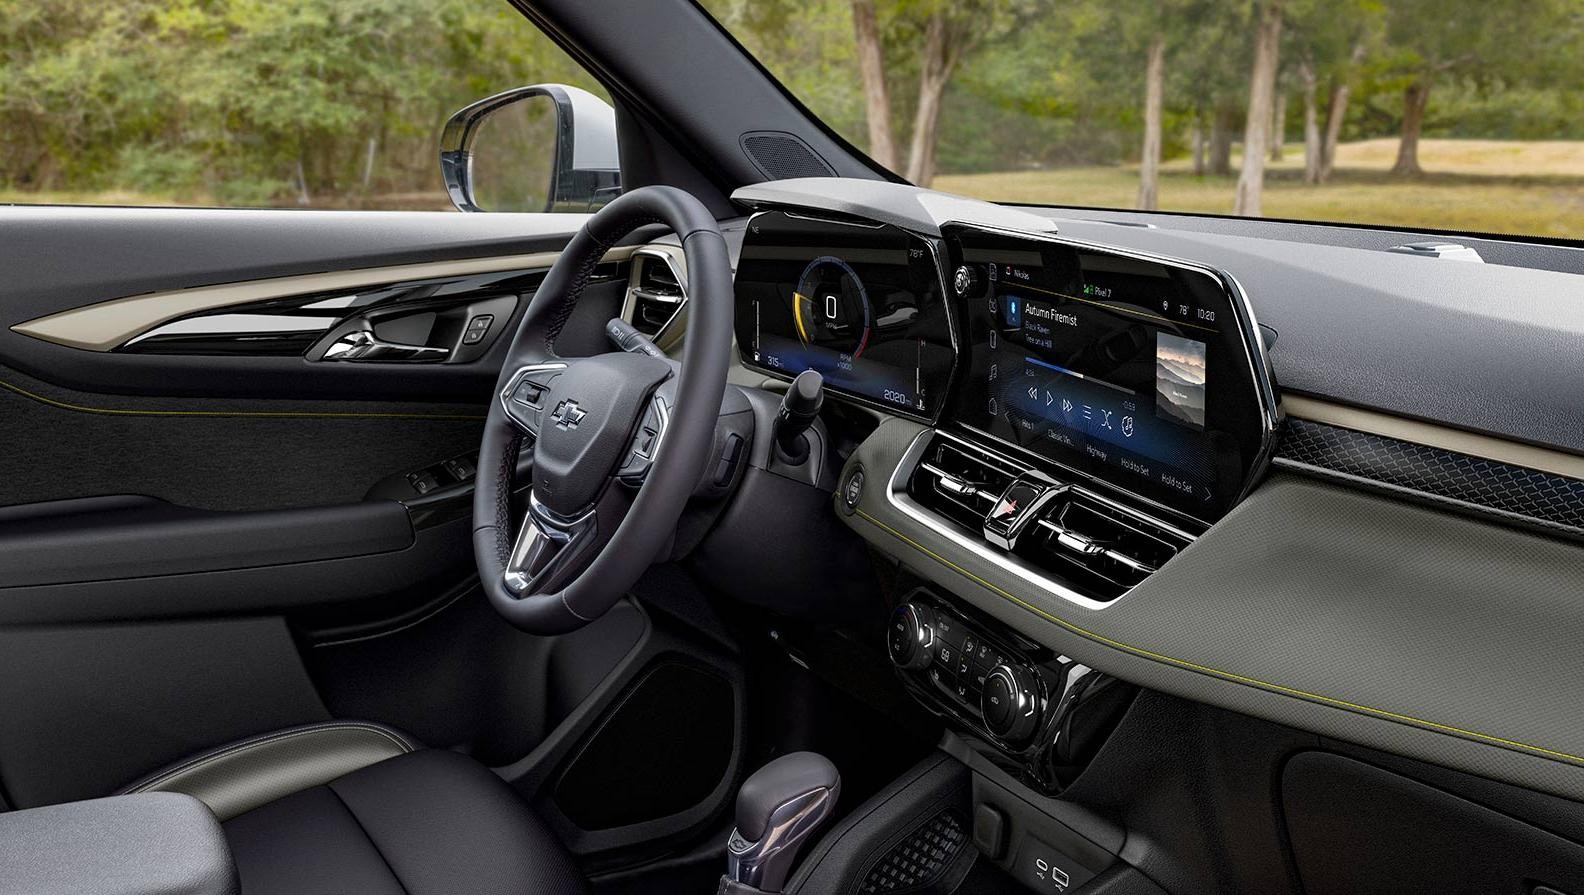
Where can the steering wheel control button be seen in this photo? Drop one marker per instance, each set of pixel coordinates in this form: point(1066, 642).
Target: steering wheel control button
point(645, 442)
point(852, 490)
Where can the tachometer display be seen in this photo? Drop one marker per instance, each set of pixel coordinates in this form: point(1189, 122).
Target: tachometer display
point(832, 308)
point(858, 302)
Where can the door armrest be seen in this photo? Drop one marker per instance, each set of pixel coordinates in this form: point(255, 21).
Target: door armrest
point(150, 844)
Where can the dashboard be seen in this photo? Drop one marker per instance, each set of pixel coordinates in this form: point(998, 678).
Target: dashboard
point(1421, 507)
point(1140, 374)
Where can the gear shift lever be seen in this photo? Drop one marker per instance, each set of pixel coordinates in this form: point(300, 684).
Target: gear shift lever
point(778, 809)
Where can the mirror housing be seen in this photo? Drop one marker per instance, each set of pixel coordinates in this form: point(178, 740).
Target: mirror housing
point(567, 129)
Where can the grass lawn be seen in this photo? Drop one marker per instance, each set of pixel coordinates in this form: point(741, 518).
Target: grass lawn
point(1478, 185)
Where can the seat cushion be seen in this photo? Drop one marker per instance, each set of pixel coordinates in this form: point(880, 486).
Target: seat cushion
point(423, 823)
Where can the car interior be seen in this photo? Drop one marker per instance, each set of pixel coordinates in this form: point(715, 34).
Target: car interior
point(755, 521)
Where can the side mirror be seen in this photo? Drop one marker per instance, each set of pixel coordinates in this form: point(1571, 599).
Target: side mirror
point(549, 147)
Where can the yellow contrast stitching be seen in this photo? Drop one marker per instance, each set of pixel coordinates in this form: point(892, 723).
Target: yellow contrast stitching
point(1216, 672)
point(289, 414)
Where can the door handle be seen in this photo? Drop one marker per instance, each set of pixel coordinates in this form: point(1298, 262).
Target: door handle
point(363, 345)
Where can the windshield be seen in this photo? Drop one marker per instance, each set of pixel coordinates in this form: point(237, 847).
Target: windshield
point(1433, 114)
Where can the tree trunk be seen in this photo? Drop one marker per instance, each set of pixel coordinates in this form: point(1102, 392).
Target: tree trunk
point(302, 183)
point(368, 164)
point(877, 98)
point(1279, 128)
point(1150, 158)
point(1221, 122)
point(1197, 137)
point(1262, 92)
point(1312, 146)
point(934, 74)
point(1336, 114)
point(1415, 99)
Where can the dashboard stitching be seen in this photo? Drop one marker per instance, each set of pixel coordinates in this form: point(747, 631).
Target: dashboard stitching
point(1225, 675)
point(276, 414)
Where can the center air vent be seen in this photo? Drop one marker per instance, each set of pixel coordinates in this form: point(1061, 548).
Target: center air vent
point(960, 483)
point(1069, 536)
point(1096, 546)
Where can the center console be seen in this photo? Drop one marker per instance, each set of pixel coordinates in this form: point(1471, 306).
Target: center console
point(1038, 714)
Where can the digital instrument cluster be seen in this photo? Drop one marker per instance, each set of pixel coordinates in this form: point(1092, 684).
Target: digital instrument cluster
point(860, 303)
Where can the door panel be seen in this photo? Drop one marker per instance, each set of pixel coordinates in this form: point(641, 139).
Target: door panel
point(171, 521)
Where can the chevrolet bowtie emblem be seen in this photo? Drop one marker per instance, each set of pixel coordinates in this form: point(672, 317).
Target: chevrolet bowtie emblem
point(567, 415)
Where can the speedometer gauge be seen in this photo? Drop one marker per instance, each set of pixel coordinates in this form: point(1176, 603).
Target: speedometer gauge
point(831, 307)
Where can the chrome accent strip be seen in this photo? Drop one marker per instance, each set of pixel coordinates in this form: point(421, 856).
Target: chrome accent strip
point(237, 326)
point(363, 345)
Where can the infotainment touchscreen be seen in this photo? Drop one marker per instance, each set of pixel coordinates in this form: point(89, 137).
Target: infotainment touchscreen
point(1133, 370)
point(859, 302)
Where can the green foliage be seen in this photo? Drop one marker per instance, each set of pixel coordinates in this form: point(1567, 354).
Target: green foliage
point(250, 101)
point(1064, 84)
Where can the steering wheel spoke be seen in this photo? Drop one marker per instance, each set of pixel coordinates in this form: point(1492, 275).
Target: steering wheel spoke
point(526, 393)
point(550, 550)
point(645, 442)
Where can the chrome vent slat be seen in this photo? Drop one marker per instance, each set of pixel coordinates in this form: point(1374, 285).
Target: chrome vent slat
point(1080, 540)
point(963, 480)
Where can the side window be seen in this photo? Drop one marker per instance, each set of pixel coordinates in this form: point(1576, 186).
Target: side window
point(296, 104)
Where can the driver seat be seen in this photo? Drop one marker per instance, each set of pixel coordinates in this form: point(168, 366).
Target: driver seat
point(351, 806)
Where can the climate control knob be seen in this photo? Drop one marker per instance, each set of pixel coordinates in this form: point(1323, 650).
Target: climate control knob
point(911, 637)
point(1011, 703)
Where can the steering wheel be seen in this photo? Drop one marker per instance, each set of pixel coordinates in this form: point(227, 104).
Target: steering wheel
point(599, 426)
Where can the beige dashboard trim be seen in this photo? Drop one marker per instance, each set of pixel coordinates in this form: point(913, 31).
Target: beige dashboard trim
point(1432, 435)
point(108, 324)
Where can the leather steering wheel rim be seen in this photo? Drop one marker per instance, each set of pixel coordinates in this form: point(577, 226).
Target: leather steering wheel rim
point(679, 459)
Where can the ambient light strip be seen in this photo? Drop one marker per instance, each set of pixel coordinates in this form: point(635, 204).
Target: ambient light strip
point(1431, 435)
point(109, 324)
point(1233, 677)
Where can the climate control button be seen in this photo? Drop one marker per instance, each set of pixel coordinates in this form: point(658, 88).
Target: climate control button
point(911, 637)
point(1010, 703)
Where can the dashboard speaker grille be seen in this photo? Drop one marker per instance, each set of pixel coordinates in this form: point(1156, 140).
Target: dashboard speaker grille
point(780, 155)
